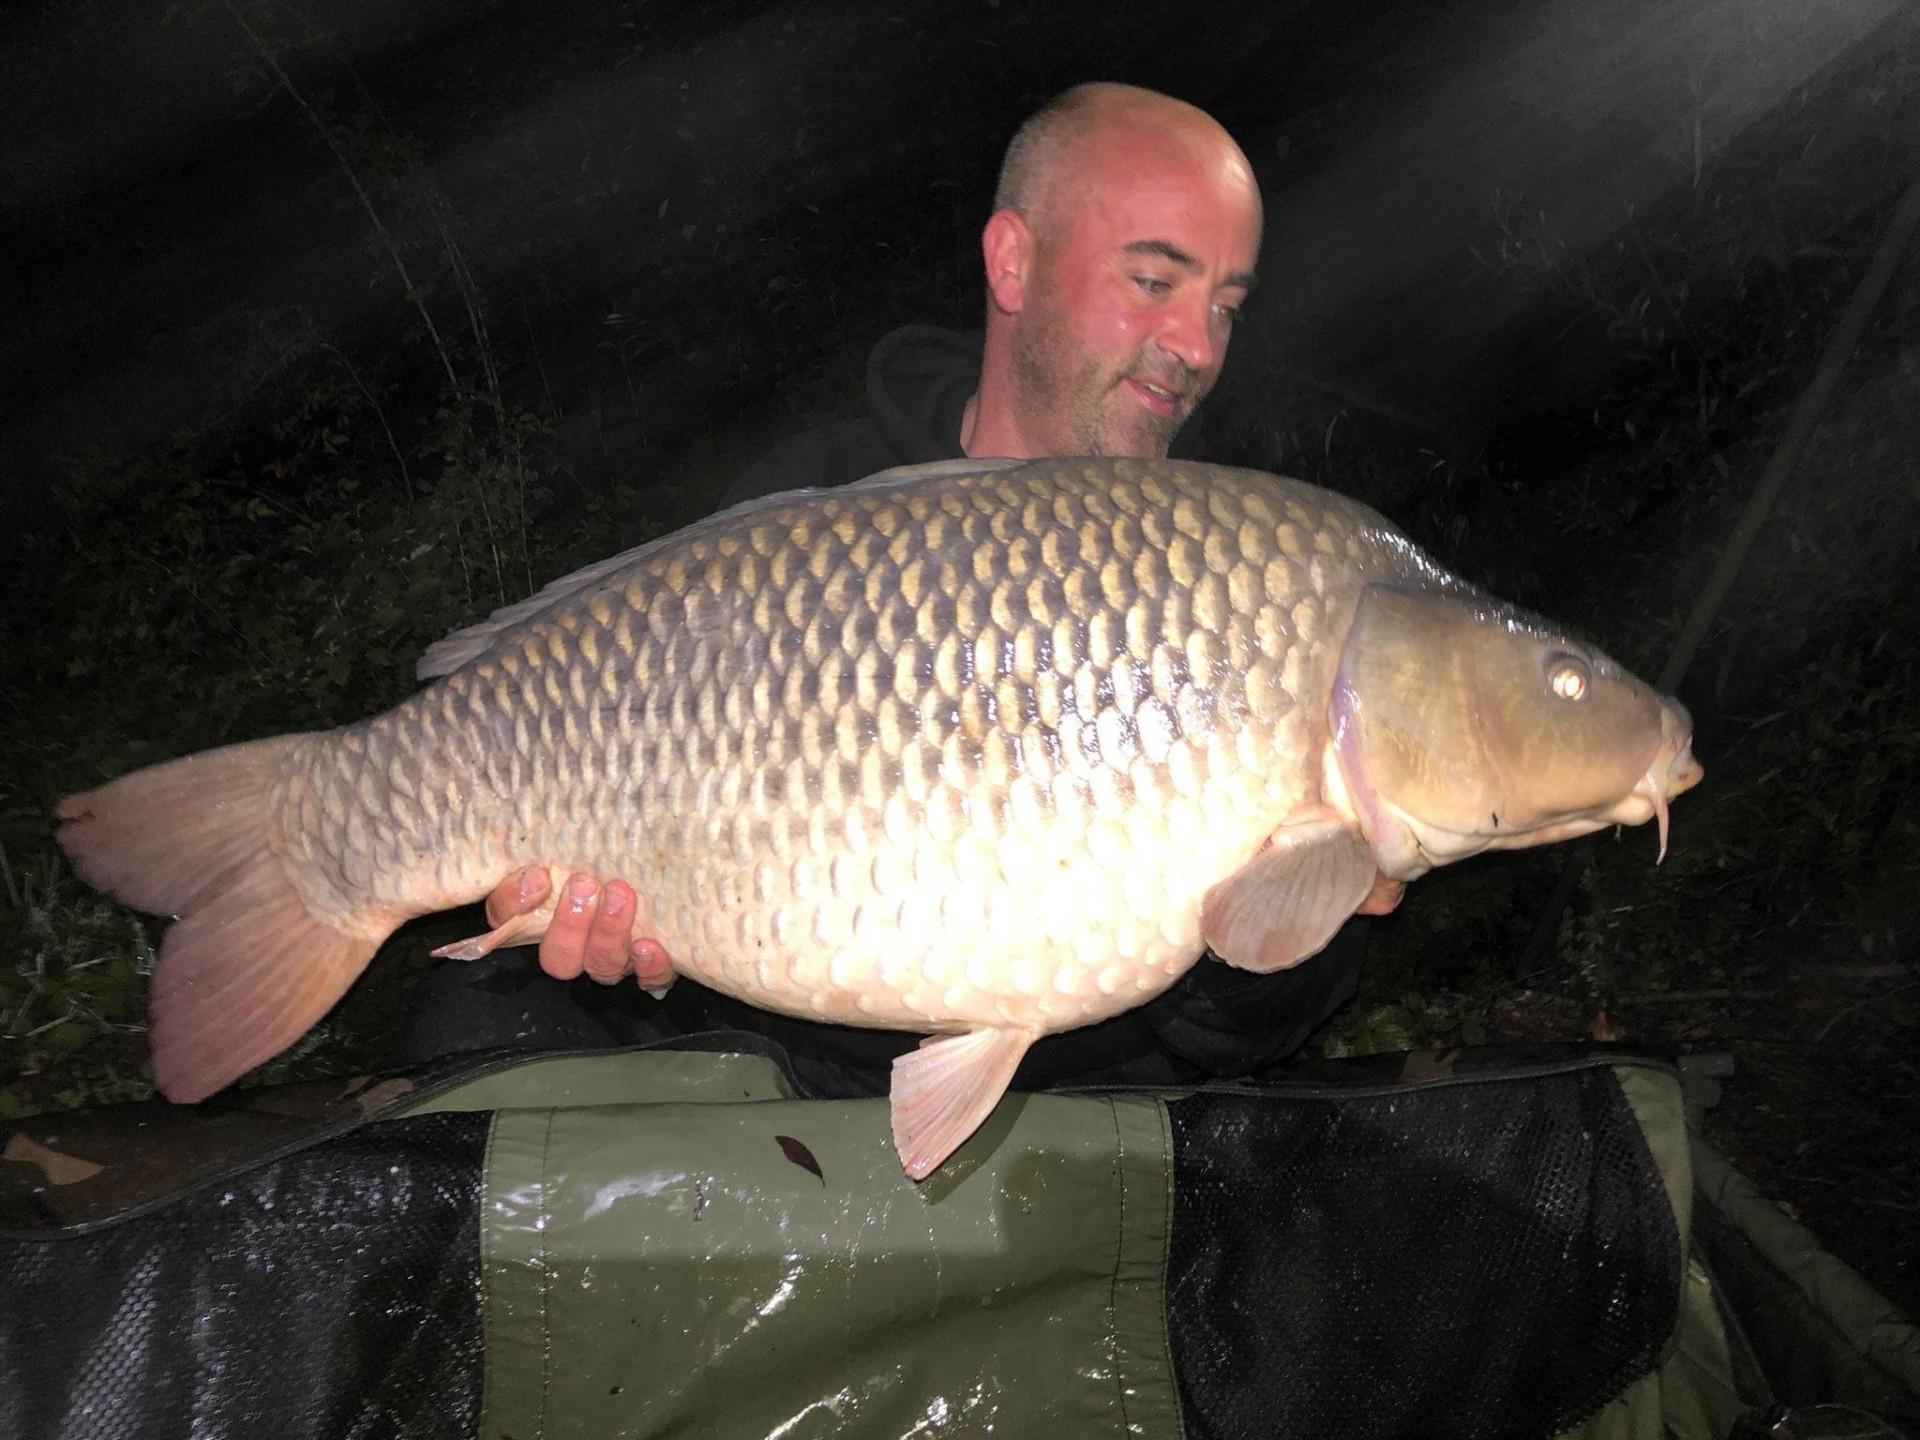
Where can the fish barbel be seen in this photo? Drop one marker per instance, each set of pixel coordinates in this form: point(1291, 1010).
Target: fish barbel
point(982, 750)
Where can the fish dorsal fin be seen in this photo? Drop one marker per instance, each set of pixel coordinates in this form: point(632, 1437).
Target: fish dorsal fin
point(943, 1090)
point(471, 642)
point(931, 470)
point(1286, 903)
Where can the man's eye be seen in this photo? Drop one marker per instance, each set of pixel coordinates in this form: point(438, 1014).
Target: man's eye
point(1153, 284)
point(1228, 313)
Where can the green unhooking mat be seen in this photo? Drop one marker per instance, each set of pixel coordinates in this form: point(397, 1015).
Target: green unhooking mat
point(669, 1242)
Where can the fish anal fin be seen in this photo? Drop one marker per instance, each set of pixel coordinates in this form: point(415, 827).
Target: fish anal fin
point(943, 1090)
point(528, 929)
point(1286, 903)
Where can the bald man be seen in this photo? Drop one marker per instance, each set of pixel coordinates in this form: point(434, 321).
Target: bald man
point(1122, 244)
point(1120, 250)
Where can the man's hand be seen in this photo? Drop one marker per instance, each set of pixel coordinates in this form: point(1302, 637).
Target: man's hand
point(590, 931)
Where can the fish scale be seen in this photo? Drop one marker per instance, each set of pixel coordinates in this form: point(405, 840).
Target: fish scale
point(986, 749)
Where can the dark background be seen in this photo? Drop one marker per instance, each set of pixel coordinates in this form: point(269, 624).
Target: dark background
point(328, 327)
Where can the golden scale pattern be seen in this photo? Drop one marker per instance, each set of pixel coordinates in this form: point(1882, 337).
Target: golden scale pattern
point(966, 750)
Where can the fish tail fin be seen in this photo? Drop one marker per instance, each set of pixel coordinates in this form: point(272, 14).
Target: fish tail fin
point(248, 968)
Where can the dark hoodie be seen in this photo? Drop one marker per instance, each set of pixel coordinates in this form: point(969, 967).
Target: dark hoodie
point(1214, 1022)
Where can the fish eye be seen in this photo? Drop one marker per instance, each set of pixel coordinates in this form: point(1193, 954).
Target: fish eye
point(1568, 677)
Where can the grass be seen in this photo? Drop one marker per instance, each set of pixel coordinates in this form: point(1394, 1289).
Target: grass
point(72, 988)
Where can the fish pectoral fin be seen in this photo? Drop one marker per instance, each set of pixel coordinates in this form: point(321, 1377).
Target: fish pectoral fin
point(1287, 902)
point(943, 1090)
point(528, 929)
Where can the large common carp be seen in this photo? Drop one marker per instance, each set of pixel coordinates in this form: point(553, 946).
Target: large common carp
point(983, 750)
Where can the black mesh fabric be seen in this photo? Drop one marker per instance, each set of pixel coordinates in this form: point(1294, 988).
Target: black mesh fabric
point(331, 1293)
point(1485, 1259)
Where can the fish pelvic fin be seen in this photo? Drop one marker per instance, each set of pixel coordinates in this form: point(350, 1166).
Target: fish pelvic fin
point(1289, 900)
point(943, 1090)
point(248, 968)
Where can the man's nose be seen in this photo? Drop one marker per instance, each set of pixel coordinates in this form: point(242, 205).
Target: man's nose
point(1187, 334)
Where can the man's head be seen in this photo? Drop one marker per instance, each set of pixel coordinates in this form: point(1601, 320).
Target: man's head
point(1122, 243)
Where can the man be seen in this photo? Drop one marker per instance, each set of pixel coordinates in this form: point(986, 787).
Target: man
point(1121, 246)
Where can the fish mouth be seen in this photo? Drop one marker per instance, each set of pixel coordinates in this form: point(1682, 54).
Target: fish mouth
point(1672, 771)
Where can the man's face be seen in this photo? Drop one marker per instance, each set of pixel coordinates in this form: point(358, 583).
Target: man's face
point(1131, 302)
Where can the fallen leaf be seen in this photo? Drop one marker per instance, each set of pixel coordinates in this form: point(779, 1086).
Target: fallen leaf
point(801, 1156)
point(63, 1169)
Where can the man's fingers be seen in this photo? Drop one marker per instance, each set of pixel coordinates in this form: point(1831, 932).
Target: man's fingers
point(652, 966)
point(590, 931)
point(606, 939)
point(563, 953)
point(522, 892)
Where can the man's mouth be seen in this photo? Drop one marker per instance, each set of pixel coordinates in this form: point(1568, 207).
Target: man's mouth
point(1160, 399)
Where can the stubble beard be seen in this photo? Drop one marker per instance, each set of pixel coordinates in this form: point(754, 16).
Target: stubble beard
point(1081, 403)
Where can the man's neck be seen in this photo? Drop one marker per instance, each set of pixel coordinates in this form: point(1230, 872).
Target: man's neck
point(993, 436)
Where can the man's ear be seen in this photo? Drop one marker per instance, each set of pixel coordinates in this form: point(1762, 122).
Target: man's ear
point(1006, 244)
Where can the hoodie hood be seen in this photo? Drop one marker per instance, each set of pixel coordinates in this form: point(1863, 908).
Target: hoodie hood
point(919, 379)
